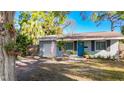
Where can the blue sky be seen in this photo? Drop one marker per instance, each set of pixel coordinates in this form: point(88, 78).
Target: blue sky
point(86, 25)
point(83, 25)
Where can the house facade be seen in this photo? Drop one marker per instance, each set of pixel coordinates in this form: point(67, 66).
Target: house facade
point(103, 44)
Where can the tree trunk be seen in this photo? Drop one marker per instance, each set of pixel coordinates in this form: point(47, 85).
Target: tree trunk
point(112, 26)
point(7, 62)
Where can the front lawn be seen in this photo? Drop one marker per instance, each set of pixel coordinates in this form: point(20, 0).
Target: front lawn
point(95, 69)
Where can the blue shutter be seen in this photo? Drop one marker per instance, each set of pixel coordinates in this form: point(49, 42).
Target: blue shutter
point(75, 45)
point(92, 45)
point(108, 45)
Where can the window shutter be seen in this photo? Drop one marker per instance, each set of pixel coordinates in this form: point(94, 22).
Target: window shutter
point(92, 45)
point(75, 45)
point(108, 45)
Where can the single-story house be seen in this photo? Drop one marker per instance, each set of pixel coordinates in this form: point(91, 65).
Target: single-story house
point(104, 44)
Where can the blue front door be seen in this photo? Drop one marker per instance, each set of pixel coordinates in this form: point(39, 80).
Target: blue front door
point(80, 48)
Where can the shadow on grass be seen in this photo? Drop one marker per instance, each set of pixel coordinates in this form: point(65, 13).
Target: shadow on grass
point(107, 62)
point(103, 75)
point(38, 71)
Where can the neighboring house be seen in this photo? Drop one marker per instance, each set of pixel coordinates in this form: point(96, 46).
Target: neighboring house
point(104, 44)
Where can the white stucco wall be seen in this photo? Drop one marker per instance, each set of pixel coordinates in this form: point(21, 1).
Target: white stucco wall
point(103, 53)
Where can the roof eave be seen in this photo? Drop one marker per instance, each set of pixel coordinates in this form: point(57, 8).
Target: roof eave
point(86, 39)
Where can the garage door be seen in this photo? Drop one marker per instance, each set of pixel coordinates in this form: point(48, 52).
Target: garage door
point(47, 49)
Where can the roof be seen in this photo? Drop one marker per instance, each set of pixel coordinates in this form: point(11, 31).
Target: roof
point(48, 38)
point(88, 36)
point(98, 34)
point(94, 36)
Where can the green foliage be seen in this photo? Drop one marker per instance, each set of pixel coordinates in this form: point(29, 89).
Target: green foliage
point(122, 30)
point(37, 24)
point(121, 14)
point(11, 46)
point(52, 22)
point(20, 45)
point(23, 17)
point(30, 26)
point(60, 44)
point(7, 26)
point(86, 53)
point(22, 42)
point(72, 52)
point(114, 17)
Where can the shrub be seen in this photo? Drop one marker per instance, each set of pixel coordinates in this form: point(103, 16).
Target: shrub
point(20, 45)
point(12, 48)
point(60, 44)
point(113, 57)
point(100, 57)
point(108, 57)
point(72, 52)
point(86, 53)
point(22, 42)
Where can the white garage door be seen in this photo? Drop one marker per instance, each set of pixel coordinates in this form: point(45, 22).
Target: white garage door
point(47, 49)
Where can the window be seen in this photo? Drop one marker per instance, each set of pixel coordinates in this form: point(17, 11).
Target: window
point(69, 46)
point(101, 45)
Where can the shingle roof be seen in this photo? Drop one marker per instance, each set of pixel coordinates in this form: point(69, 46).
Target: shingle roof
point(94, 35)
point(86, 36)
point(97, 34)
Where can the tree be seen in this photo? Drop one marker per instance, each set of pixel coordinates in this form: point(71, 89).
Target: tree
point(111, 16)
point(22, 44)
point(30, 26)
point(121, 14)
point(71, 25)
point(122, 30)
point(37, 24)
point(7, 35)
point(114, 17)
